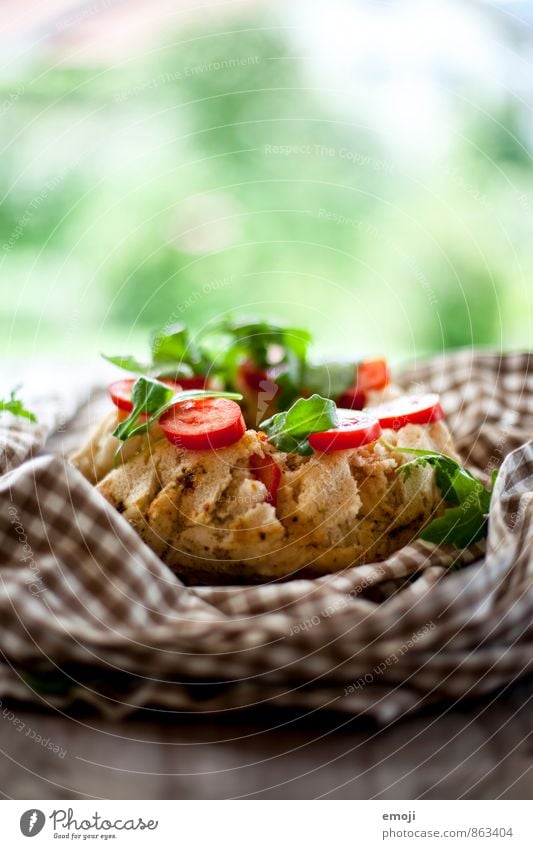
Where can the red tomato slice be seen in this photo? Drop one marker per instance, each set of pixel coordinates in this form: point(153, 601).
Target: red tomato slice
point(266, 470)
point(203, 423)
point(372, 374)
point(120, 392)
point(197, 381)
point(251, 375)
point(352, 399)
point(411, 409)
point(369, 375)
point(356, 429)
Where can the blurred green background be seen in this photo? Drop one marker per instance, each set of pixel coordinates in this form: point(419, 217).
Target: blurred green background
point(363, 169)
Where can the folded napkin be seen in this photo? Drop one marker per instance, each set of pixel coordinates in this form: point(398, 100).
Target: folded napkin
point(89, 613)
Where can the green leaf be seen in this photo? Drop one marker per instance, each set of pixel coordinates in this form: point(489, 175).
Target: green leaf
point(173, 371)
point(256, 337)
point(147, 396)
point(16, 407)
point(266, 345)
point(129, 363)
point(174, 355)
point(289, 431)
point(174, 346)
point(465, 522)
point(169, 369)
point(152, 398)
point(459, 526)
point(329, 379)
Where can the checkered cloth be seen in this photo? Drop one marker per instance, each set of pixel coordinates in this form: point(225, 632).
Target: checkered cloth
point(89, 613)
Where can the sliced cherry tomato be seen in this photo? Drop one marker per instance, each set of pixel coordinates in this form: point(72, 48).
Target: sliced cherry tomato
point(120, 392)
point(411, 409)
point(352, 399)
point(197, 381)
point(203, 423)
point(369, 375)
point(356, 429)
point(251, 375)
point(372, 374)
point(266, 470)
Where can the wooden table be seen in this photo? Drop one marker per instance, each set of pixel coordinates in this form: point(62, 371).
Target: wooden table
point(475, 750)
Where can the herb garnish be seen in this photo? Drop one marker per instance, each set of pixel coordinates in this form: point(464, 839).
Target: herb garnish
point(466, 522)
point(15, 406)
point(289, 431)
point(151, 398)
point(173, 355)
point(266, 345)
point(329, 379)
point(175, 346)
point(256, 339)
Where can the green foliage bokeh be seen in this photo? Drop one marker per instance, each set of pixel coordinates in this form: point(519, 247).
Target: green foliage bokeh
point(211, 174)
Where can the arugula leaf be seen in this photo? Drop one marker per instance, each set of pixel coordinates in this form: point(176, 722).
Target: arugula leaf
point(173, 348)
point(151, 398)
point(163, 369)
point(147, 397)
point(459, 526)
point(15, 406)
point(288, 431)
point(464, 523)
point(329, 379)
point(172, 344)
point(129, 363)
point(266, 345)
point(227, 344)
point(256, 339)
point(174, 355)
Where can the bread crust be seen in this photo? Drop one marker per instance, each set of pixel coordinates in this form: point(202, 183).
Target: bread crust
point(210, 520)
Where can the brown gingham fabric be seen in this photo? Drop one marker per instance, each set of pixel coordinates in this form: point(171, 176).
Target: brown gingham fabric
point(88, 613)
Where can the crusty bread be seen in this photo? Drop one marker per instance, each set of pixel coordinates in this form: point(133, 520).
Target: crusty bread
point(209, 519)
